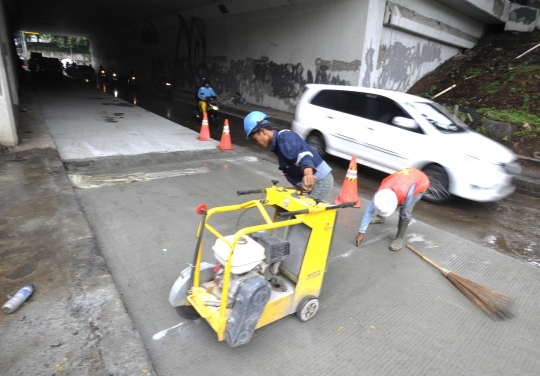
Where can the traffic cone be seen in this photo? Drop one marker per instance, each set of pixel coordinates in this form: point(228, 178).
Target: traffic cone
point(226, 138)
point(349, 190)
point(205, 131)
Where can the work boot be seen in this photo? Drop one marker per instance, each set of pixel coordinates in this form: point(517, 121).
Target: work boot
point(376, 219)
point(398, 241)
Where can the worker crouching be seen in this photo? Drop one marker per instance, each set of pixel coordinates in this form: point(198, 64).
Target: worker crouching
point(402, 189)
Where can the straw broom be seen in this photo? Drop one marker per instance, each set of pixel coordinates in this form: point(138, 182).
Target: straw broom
point(495, 304)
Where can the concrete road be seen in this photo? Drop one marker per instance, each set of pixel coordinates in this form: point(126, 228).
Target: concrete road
point(381, 312)
point(509, 225)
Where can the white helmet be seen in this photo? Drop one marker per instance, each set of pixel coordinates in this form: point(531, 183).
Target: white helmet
point(385, 202)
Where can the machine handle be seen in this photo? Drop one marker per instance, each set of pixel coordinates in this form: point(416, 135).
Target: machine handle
point(344, 205)
point(305, 211)
point(290, 214)
point(249, 192)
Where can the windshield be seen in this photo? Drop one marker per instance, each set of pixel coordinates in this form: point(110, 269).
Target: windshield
point(440, 117)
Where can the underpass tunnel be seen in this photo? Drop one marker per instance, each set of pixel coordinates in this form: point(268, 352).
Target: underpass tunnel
point(265, 51)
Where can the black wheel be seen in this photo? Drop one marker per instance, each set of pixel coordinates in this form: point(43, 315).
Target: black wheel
point(187, 312)
point(316, 141)
point(214, 120)
point(438, 191)
point(307, 308)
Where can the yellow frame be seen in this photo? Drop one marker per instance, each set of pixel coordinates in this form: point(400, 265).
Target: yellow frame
point(318, 218)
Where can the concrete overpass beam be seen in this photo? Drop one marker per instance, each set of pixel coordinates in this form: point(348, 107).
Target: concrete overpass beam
point(372, 41)
point(399, 17)
point(521, 18)
point(8, 93)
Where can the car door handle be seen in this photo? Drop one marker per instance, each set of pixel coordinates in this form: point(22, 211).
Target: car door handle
point(371, 129)
point(329, 117)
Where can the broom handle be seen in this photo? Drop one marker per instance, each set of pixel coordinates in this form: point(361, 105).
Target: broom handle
point(425, 258)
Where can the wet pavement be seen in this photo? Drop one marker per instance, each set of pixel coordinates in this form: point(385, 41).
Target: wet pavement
point(381, 312)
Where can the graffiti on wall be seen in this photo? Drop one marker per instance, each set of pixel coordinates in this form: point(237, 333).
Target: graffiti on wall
point(370, 53)
point(255, 78)
point(401, 66)
point(523, 15)
point(325, 68)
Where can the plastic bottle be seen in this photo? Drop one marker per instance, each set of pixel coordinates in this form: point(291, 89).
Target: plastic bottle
point(18, 299)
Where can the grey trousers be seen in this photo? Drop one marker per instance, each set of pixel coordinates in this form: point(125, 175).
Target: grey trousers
point(405, 212)
point(322, 188)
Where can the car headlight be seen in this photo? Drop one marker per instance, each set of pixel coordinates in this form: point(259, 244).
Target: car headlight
point(512, 168)
point(215, 108)
point(168, 84)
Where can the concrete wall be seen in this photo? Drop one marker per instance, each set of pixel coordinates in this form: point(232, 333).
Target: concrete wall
point(267, 55)
point(9, 99)
point(418, 36)
point(268, 51)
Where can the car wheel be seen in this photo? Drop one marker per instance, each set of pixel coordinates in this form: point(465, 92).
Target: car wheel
point(214, 120)
point(438, 191)
point(316, 141)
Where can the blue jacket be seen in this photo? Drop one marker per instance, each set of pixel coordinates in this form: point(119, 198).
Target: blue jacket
point(294, 155)
point(206, 92)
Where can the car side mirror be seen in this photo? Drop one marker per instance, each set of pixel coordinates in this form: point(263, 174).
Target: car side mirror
point(404, 122)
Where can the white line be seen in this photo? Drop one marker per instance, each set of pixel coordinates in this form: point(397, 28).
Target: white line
point(88, 181)
point(164, 332)
point(370, 241)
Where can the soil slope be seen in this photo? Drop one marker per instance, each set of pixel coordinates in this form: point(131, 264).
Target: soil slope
point(493, 84)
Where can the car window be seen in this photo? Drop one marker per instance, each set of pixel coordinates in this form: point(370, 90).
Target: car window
point(356, 104)
point(386, 111)
point(326, 99)
point(440, 117)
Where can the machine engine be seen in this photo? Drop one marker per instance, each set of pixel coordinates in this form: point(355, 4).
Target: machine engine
point(259, 254)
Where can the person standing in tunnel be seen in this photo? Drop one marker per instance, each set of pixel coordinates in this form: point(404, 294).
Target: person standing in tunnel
point(204, 92)
point(403, 189)
point(300, 163)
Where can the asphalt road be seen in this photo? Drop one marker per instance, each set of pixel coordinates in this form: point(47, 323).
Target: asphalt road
point(509, 225)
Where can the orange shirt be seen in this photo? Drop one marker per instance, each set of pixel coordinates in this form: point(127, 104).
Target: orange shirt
point(400, 182)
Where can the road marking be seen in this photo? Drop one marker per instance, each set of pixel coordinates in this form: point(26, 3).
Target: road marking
point(164, 332)
point(87, 181)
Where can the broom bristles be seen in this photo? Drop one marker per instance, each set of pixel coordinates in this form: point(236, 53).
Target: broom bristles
point(495, 304)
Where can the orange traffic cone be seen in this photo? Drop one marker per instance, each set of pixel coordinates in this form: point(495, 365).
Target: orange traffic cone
point(349, 190)
point(205, 131)
point(226, 138)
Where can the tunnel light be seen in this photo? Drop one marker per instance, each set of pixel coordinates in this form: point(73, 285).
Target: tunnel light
point(116, 93)
point(168, 84)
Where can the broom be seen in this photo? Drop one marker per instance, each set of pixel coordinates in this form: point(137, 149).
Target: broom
point(495, 304)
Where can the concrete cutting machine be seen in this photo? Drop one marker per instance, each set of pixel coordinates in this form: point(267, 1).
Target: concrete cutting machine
point(263, 272)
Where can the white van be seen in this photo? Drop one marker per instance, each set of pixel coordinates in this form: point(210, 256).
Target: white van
point(389, 130)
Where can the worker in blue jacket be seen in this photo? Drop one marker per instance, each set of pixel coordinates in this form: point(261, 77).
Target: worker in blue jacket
point(204, 92)
point(299, 162)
